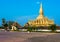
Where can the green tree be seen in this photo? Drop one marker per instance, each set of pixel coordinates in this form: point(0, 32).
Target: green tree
point(29, 28)
point(10, 23)
point(3, 21)
point(53, 28)
point(6, 26)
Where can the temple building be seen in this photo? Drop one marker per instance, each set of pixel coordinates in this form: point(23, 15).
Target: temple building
point(41, 20)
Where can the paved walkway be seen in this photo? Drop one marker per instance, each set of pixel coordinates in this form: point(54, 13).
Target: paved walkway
point(29, 37)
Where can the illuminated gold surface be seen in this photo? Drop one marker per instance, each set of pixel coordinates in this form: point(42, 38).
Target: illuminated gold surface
point(41, 20)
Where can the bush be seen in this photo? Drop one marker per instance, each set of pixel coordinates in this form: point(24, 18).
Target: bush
point(53, 28)
point(29, 29)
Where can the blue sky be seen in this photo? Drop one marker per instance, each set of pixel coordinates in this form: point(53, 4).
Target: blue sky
point(22, 11)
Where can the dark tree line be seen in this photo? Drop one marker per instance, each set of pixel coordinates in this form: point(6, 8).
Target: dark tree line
point(6, 24)
point(51, 27)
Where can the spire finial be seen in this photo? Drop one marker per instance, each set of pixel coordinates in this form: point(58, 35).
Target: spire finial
point(41, 10)
point(41, 5)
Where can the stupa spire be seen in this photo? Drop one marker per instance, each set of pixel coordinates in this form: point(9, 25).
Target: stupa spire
point(41, 10)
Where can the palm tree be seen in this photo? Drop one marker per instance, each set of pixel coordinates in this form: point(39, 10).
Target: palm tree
point(4, 24)
point(3, 21)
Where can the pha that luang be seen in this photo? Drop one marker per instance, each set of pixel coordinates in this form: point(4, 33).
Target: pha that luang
point(41, 20)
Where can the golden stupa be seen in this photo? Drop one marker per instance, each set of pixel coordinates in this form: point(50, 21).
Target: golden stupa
point(41, 20)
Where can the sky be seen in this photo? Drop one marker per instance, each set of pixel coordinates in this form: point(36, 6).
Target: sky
point(22, 11)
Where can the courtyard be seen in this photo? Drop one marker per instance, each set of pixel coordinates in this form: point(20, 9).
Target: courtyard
point(29, 37)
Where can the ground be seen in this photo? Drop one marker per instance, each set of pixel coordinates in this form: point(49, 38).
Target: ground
point(29, 37)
